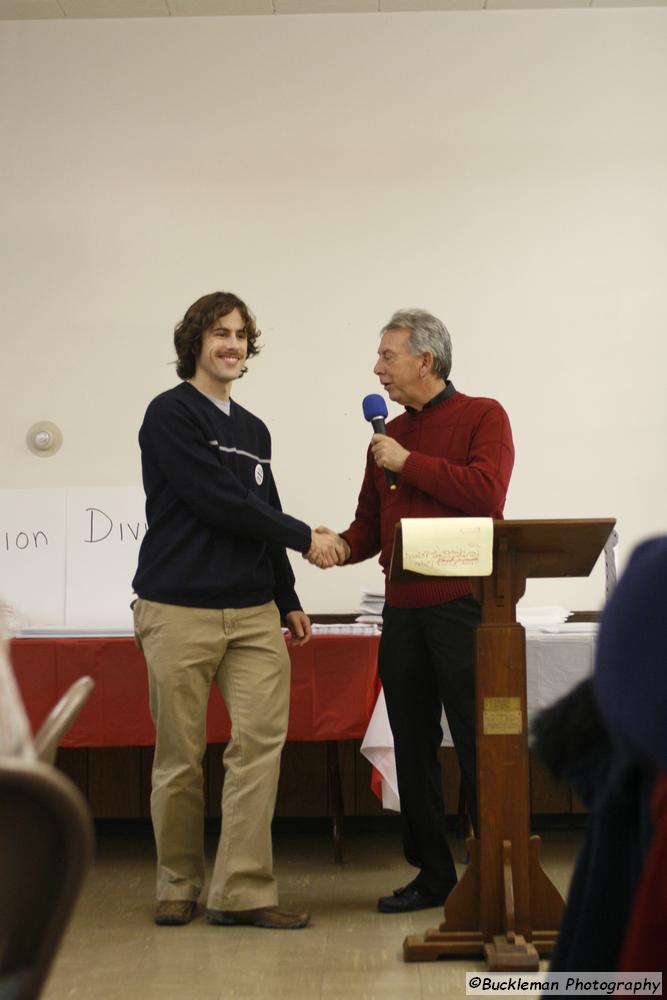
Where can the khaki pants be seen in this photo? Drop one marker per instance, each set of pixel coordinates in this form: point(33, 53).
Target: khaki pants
point(243, 650)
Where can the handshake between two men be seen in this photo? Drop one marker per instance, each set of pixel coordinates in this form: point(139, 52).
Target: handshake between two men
point(327, 549)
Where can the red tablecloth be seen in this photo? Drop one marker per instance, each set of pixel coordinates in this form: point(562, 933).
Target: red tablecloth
point(334, 688)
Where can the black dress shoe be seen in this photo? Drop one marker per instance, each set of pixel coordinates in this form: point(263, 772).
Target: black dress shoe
point(410, 897)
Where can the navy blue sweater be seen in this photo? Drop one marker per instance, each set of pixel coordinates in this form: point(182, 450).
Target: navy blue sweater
point(216, 532)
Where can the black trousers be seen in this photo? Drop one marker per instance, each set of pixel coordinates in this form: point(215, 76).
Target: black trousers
point(426, 662)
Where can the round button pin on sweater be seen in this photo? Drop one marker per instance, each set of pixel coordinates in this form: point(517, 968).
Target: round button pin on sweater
point(259, 474)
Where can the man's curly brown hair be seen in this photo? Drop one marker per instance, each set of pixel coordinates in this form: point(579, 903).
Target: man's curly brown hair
point(201, 315)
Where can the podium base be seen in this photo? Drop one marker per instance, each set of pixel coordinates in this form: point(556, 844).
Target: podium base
point(513, 954)
point(501, 954)
point(435, 944)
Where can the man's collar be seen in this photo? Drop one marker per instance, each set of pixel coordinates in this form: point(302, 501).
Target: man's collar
point(444, 394)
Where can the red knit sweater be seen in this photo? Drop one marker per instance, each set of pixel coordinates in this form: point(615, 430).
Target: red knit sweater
point(460, 463)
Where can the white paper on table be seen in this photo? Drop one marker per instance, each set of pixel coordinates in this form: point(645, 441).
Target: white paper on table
point(570, 628)
point(346, 628)
point(369, 619)
point(448, 546)
point(536, 617)
point(75, 632)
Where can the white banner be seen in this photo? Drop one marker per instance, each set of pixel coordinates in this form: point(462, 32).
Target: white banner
point(105, 527)
point(32, 556)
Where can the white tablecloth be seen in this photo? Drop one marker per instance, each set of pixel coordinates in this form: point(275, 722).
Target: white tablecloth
point(556, 660)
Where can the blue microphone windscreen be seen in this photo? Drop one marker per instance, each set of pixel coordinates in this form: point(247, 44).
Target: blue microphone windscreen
point(374, 406)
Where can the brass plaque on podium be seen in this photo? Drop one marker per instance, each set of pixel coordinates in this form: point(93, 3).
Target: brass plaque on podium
point(502, 717)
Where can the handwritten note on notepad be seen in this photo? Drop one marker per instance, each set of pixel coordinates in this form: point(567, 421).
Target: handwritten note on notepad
point(448, 546)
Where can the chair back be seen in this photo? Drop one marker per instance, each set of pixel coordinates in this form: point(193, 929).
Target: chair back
point(46, 842)
point(60, 718)
point(15, 733)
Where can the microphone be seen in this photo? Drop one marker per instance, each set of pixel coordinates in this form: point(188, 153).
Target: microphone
point(375, 410)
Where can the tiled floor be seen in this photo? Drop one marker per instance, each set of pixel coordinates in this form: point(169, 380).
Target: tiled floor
point(113, 951)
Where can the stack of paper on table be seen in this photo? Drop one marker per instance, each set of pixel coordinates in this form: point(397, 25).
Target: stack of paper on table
point(347, 628)
point(370, 608)
point(74, 632)
point(538, 617)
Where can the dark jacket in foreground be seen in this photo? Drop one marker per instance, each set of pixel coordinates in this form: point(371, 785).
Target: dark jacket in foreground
point(608, 737)
point(574, 742)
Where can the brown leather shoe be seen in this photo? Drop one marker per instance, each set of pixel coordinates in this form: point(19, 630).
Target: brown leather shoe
point(271, 917)
point(173, 912)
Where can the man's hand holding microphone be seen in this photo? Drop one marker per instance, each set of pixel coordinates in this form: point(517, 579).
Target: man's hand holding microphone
point(388, 454)
point(329, 549)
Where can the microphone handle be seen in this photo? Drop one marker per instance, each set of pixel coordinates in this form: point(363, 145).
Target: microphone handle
point(380, 428)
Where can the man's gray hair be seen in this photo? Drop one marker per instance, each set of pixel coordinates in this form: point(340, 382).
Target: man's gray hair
point(427, 333)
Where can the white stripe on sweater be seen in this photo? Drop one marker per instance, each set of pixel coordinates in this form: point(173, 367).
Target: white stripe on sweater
point(239, 451)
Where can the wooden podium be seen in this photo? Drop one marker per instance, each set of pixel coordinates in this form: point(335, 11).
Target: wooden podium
point(505, 908)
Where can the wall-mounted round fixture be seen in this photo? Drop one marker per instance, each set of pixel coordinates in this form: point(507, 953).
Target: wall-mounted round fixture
point(44, 438)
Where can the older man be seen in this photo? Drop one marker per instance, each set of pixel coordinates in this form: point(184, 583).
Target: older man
point(452, 455)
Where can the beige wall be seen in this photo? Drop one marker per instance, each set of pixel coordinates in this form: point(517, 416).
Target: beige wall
point(504, 169)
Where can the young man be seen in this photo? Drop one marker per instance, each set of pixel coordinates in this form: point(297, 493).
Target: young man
point(453, 457)
point(213, 584)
